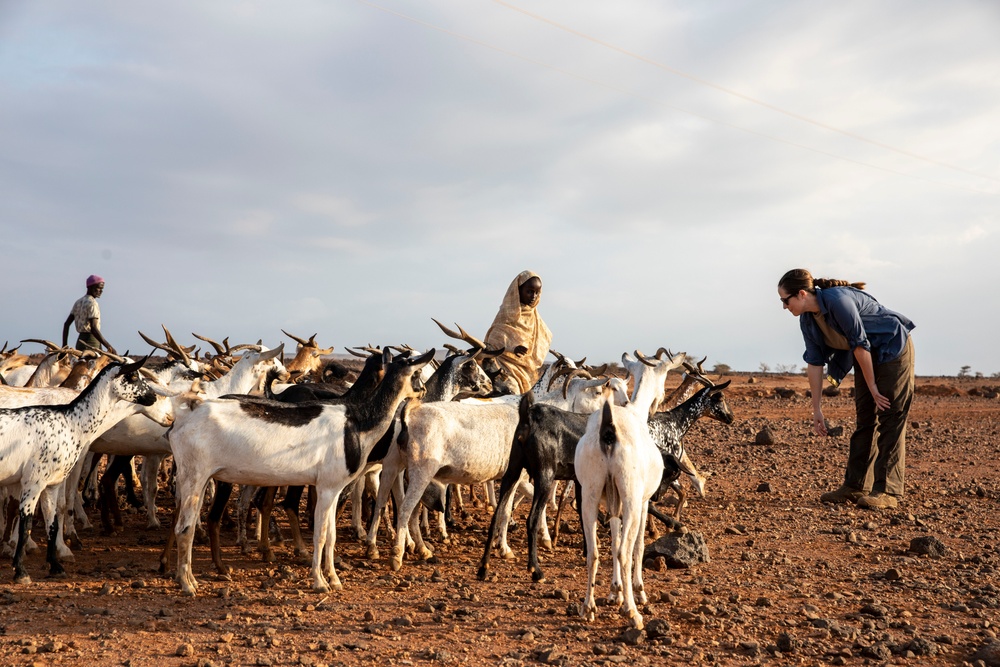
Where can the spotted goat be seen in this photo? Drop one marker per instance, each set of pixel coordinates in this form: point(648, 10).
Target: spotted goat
point(40, 445)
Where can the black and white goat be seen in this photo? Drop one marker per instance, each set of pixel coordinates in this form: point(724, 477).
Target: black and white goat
point(136, 436)
point(40, 445)
point(667, 429)
point(283, 444)
point(544, 445)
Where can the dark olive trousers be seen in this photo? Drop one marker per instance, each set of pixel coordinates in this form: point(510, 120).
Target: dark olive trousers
point(87, 338)
point(877, 457)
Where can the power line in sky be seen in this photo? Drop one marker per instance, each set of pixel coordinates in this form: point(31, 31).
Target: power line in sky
point(763, 135)
point(742, 96)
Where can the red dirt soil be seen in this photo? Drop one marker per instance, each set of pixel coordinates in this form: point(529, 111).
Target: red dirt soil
point(791, 581)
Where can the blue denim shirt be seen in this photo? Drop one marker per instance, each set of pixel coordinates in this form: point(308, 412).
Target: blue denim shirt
point(862, 320)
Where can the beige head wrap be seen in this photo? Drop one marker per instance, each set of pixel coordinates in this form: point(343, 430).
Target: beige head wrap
point(515, 325)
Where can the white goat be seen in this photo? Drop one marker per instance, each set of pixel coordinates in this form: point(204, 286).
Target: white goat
point(283, 444)
point(40, 445)
point(617, 457)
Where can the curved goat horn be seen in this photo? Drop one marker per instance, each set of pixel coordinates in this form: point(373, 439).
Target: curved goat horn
point(661, 351)
point(641, 357)
point(569, 376)
point(47, 343)
point(600, 370)
point(301, 341)
point(351, 350)
point(158, 346)
point(178, 348)
point(110, 355)
point(462, 334)
point(563, 370)
point(218, 348)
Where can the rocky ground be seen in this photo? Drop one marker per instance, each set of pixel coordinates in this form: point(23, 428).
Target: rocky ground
point(791, 581)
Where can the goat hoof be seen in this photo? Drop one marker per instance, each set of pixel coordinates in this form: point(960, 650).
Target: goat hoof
point(547, 545)
point(373, 553)
point(396, 564)
point(508, 555)
point(482, 573)
point(537, 576)
point(22, 579)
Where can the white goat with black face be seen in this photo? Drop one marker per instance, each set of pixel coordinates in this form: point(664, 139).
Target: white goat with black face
point(277, 444)
point(136, 436)
point(40, 445)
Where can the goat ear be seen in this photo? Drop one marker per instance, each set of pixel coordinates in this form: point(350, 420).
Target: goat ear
point(134, 366)
point(423, 358)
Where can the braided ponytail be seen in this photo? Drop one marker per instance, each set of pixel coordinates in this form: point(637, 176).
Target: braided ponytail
point(823, 283)
point(800, 279)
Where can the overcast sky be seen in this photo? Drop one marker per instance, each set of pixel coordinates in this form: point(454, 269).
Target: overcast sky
point(353, 169)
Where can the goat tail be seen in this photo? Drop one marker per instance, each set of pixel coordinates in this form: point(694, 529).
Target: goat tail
point(608, 434)
point(403, 439)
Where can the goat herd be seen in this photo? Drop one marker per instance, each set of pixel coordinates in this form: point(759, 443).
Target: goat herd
point(409, 424)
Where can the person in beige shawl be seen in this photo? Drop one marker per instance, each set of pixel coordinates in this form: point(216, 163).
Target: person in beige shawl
point(520, 330)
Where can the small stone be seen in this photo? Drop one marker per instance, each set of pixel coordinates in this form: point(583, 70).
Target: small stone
point(928, 545)
point(657, 627)
point(892, 574)
point(764, 487)
point(633, 637)
point(765, 437)
point(184, 650)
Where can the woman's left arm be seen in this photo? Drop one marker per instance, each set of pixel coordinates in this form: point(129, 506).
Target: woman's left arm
point(864, 359)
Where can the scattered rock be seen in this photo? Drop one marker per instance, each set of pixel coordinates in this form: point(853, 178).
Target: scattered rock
point(633, 637)
point(788, 644)
point(764, 487)
point(928, 545)
point(784, 392)
point(657, 628)
point(921, 646)
point(989, 653)
point(874, 609)
point(679, 550)
point(184, 650)
point(831, 391)
point(765, 437)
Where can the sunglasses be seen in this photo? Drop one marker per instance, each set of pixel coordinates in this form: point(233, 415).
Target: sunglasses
point(785, 299)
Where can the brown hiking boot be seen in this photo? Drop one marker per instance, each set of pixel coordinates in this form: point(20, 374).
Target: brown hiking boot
point(845, 494)
point(879, 501)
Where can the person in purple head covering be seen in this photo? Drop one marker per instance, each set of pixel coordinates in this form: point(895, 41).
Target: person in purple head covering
point(86, 314)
